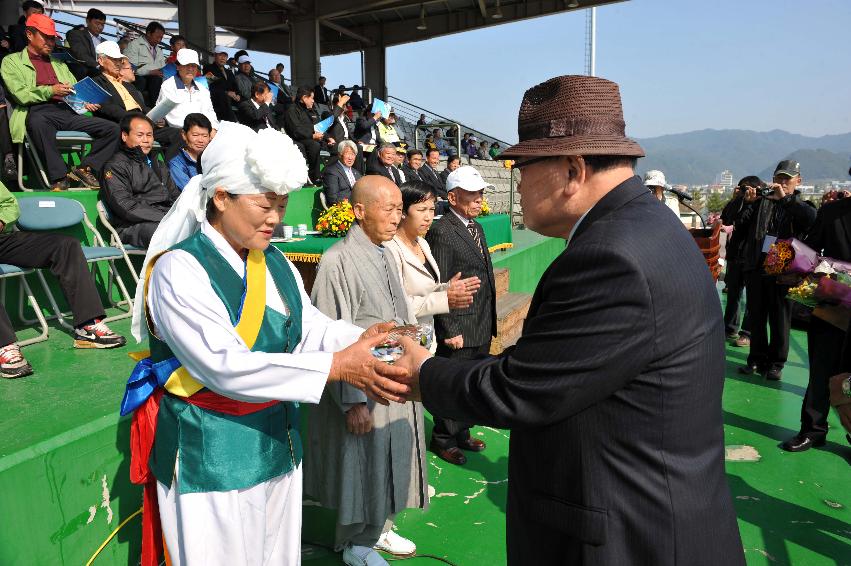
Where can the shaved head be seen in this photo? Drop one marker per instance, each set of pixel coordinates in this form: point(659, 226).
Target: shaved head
point(370, 188)
point(377, 205)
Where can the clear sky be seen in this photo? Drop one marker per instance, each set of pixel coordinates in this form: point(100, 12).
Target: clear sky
point(682, 65)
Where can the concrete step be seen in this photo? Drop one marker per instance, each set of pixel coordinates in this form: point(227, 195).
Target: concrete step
point(506, 338)
point(511, 309)
point(501, 277)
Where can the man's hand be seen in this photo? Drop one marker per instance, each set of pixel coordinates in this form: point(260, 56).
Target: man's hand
point(155, 72)
point(92, 107)
point(267, 98)
point(359, 419)
point(160, 123)
point(377, 116)
point(460, 292)
point(317, 136)
point(456, 342)
point(778, 193)
point(359, 368)
point(411, 360)
point(234, 96)
point(330, 141)
point(750, 195)
point(62, 89)
point(837, 397)
point(379, 328)
point(344, 99)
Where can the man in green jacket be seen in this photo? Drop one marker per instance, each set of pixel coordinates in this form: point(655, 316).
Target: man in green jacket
point(37, 84)
point(64, 257)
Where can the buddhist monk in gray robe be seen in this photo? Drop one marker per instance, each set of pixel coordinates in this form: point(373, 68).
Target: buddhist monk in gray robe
point(364, 459)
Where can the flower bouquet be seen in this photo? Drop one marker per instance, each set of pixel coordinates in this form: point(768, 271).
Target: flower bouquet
point(337, 220)
point(486, 207)
point(790, 256)
point(805, 293)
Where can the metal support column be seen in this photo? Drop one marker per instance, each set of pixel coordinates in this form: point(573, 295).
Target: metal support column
point(304, 52)
point(375, 66)
point(197, 22)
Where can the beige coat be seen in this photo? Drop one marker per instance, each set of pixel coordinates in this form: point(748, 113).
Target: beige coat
point(426, 297)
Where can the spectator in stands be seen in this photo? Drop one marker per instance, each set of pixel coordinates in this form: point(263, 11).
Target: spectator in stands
point(781, 214)
point(128, 75)
point(655, 182)
point(10, 168)
point(366, 132)
point(223, 90)
point(285, 97)
point(123, 42)
point(356, 101)
point(430, 176)
point(137, 190)
point(244, 79)
point(414, 162)
point(401, 152)
point(384, 164)
point(37, 84)
point(64, 257)
point(472, 147)
point(495, 150)
point(439, 142)
point(197, 133)
point(177, 42)
point(18, 33)
point(483, 152)
point(428, 143)
point(339, 129)
point(183, 90)
point(453, 163)
point(145, 54)
point(422, 120)
point(82, 43)
point(280, 68)
point(339, 178)
point(298, 123)
point(465, 142)
point(124, 97)
point(736, 316)
point(387, 129)
point(321, 95)
point(256, 113)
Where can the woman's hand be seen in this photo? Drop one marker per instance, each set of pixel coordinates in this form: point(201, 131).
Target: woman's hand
point(460, 291)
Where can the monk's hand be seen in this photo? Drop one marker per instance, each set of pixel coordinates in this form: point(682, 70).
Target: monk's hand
point(378, 328)
point(357, 366)
point(412, 358)
point(359, 420)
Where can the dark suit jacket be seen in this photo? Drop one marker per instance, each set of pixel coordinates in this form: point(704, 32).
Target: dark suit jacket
point(255, 118)
point(335, 183)
point(299, 121)
point(374, 167)
point(113, 109)
point(432, 178)
point(411, 174)
point(613, 395)
point(454, 250)
point(831, 232)
point(81, 48)
point(224, 78)
point(321, 95)
point(363, 130)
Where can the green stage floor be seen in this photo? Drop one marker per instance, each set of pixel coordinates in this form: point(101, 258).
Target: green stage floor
point(63, 472)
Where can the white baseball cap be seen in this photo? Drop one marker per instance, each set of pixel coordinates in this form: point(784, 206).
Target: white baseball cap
point(466, 178)
point(220, 49)
point(187, 57)
point(109, 49)
point(654, 179)
point(244, 59)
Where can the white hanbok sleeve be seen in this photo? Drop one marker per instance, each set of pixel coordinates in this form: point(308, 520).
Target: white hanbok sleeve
point(191, 319)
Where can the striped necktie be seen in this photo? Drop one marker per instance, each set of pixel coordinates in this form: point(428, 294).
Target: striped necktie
point(471, 227)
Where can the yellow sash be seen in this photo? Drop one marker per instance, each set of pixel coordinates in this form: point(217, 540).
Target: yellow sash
point(180, 382)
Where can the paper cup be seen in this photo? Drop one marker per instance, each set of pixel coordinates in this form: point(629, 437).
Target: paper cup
point(302, 229)
point(288, 232)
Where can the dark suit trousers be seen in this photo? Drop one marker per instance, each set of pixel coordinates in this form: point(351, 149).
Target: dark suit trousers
point(64, 257)
point(768, 307)
point(222, 104)
point(448, 433)
point(5, 136)
point(825, 347)
point(44, 120)
point(734, 280)
point(139, 234)
point(149, 85)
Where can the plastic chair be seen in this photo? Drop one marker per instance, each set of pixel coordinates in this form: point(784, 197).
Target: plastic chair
point(67, 141)
point(43, 214)
point(9, 271)
point(104, 215)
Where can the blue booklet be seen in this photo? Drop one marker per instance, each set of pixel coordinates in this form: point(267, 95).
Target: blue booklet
point(202, 81)
point(169, 71)
point(85, 92)
point(379, 105)
point(275, 90)
point(324, 125)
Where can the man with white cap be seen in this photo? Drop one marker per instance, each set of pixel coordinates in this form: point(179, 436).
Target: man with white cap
point(244, 81)
point(235, 345)
point(125, 97)
point(655, 181)
point(459, 246)
point(187, 95)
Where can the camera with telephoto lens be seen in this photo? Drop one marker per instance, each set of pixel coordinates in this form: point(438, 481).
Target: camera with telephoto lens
point(765, 191)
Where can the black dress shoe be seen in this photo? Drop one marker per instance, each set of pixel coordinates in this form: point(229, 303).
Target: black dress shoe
point(452, 455)
point(802, 442)
point(749, 369)
point(774, 374)
point(472, 444)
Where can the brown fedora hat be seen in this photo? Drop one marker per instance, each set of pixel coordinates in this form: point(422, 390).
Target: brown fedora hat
point(572, 115)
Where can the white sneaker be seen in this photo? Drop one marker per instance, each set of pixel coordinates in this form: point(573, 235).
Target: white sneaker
point(395, 544)
point(362, 556)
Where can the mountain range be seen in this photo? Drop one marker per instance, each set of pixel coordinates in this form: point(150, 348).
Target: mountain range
point(696, 158)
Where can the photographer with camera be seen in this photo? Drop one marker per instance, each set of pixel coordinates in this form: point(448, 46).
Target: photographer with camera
point(775, 211)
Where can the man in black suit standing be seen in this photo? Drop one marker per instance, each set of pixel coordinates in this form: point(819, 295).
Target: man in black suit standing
point(82, 42)
point(459, 246)
point(613, 392)
point(830, 237)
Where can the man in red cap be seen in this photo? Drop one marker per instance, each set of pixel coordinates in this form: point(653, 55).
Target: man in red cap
point(37, 84)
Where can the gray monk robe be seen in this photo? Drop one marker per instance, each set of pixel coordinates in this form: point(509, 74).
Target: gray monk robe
point(371, 477)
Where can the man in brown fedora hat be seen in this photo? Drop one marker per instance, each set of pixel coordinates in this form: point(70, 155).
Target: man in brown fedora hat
point(613, 392)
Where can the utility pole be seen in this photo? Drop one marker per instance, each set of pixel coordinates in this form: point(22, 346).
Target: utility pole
point(591, 42)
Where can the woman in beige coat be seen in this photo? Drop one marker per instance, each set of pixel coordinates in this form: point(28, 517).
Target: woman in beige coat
point(419, 273)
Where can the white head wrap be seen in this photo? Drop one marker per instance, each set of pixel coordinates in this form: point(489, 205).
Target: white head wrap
point(243, 162)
